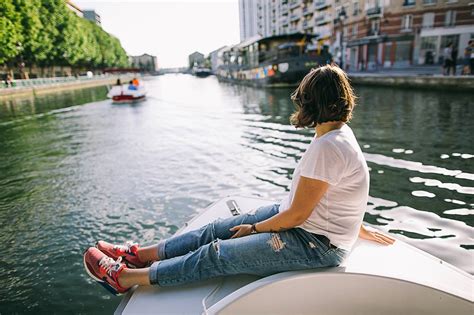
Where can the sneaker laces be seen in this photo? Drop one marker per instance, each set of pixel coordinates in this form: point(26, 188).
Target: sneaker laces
point(126, 248)
point(110, 265)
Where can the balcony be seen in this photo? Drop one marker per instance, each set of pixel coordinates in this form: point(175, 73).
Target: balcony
point(308, 9)
point(292, 29)
point(371, 32)
point(307, 23)
point(284, 20)
point(374, 12)
point(321, 20)
point(284, 8)
point(294, 17)
point(319, 5)
point(324, 31)
point(294, 4)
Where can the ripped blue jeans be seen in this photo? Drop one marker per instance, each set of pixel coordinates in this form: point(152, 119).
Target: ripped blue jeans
point(210, 252)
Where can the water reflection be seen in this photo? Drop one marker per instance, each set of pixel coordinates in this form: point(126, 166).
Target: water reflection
point(72, 173)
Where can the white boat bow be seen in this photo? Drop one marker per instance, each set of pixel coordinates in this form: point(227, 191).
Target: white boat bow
point(373, 279)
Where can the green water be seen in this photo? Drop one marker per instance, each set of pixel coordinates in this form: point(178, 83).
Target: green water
point(75, 169)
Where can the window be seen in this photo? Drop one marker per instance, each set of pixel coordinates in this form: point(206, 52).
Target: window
point(450, 18)
point(355, 8)
point(409, 2)
point(403, 51)
point(374, 27)
point(406, 22)
point(429, 42)
point(428, 20)
point(355, 29)
point(429, 2)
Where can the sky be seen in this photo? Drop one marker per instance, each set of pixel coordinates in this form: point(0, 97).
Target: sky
point(170, 30)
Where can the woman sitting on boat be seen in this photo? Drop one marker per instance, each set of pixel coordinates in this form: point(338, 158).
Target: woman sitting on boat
point(315, 226)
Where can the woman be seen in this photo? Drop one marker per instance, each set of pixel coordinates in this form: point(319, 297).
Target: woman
point(315, 226)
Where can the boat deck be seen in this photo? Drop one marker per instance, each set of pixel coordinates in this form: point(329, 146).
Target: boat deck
point(369, 273)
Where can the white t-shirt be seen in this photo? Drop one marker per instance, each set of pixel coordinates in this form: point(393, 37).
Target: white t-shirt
point(335, 158)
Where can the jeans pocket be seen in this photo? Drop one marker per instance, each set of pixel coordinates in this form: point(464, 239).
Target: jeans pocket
point(318, 248)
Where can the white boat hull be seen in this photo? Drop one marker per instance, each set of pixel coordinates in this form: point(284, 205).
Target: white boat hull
point(374, 279)
point(126, 94)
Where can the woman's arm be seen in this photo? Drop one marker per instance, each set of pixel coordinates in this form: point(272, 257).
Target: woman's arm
point(308, 194)
point(375, 236)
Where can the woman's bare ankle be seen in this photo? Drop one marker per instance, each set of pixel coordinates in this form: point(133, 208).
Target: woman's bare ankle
point(148, 253)
point(130, 277)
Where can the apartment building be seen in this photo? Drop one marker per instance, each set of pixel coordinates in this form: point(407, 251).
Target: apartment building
point(144, 62)
point(400, 33)
point(367, 34)
point(248, 18)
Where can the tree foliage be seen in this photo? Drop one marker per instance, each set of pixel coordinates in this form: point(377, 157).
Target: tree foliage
point(10, 31)
point(47, 33)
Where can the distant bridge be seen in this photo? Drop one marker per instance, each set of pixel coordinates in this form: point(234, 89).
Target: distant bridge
point(174, 70)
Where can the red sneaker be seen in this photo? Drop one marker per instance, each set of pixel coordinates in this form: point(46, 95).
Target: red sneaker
point(104, 269)
point(128, 252)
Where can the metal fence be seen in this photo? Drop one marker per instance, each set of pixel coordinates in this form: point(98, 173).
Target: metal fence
point(19, 84)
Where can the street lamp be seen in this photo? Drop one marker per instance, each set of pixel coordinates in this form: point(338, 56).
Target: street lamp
point(342, 16)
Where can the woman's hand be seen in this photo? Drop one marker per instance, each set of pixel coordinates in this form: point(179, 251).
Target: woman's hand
point(241, 230)
point(375, 236)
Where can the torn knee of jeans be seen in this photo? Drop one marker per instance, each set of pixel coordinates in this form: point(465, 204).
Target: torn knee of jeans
point(216, 245)
point(276, 243)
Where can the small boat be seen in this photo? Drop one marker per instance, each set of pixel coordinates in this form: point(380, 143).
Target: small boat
point(202, 72)
point(373, 279)
point(127, 93)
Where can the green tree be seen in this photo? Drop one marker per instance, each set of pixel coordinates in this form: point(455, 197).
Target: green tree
point(36, 42)
point(10, 31)
point(52, 35)
point(90, 50)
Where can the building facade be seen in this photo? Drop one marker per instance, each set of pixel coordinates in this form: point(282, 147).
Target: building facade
point(401, 33)
point(145, 62)
point(248, 18)
point(215, 58)
point(196, 59)
point(91, 15)
point(368, 34)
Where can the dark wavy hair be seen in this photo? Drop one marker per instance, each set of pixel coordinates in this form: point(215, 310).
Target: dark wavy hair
point(323, 95)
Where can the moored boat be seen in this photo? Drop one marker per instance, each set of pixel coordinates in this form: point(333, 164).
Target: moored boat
point(373, 279)
point(201, 72)
point(281, 60)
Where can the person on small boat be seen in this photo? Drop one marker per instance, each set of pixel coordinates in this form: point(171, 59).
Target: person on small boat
point(132, 86)
point(315, 225)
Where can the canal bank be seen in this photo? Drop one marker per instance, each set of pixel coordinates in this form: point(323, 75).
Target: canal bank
point(54, 85)
point(424, 82)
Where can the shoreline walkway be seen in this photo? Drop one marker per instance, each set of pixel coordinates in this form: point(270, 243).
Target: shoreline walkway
point(414, 77)
point(57, 84)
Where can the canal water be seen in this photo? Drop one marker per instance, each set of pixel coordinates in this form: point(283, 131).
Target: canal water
point(74, 169)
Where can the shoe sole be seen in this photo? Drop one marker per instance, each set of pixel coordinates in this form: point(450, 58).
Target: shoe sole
point(102, 282)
